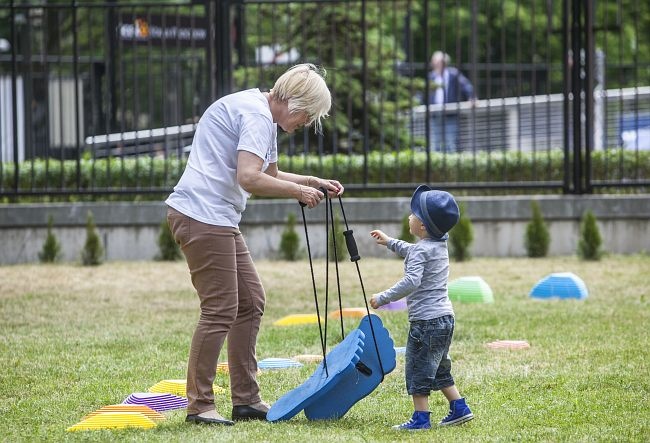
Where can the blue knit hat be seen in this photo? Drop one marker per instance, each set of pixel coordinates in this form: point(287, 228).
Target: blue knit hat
point(437, 210)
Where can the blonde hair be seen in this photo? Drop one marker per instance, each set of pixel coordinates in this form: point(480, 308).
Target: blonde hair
point(303, 87)
point(442, 56)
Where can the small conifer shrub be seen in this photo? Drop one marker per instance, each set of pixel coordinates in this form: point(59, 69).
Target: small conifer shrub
point(290, 242)
point(537, 237)
point(590, 239)
point(461, 236)
point(406, 232)
point(341, 249)
point(51, 251)
point(167, 246)
point(92, 252)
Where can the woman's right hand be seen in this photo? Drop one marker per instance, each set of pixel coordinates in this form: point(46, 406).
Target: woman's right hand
point(310, 196)
point(380, 237)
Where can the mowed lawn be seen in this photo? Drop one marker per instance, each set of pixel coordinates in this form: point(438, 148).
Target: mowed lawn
point(74, 339)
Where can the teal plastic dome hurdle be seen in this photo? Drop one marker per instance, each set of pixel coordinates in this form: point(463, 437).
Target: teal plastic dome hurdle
point(470, 290)
point(560, 285)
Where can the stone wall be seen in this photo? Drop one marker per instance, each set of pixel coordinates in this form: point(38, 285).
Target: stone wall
point(129, 231)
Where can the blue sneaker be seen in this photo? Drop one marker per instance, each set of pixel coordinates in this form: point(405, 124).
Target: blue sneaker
point(459, 413)
point(419, 421)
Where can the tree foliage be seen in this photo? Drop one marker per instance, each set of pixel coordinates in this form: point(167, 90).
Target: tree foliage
point(290, 241)
point(461, 236)
point(336, 252)
point(93, 251)
point(167, 246)
point(537, 238)
point(405, 234)
point(51, 251)
point(590, 240)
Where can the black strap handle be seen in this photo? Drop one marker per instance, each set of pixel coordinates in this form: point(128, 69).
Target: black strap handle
point(351, 243)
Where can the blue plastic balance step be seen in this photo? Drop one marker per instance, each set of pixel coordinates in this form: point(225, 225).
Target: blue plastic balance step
point(354, 372)
point(357, 385)
point(340, 361)
point(560, 285)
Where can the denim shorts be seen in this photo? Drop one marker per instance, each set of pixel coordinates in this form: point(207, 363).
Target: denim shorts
point(428, 366)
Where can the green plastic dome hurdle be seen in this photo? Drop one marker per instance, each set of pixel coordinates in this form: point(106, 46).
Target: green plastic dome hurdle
point(470, 290)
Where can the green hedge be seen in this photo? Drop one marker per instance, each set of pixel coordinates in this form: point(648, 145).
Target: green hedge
point(144, 174)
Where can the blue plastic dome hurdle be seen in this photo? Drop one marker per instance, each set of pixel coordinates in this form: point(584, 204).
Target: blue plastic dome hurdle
point(560, 285)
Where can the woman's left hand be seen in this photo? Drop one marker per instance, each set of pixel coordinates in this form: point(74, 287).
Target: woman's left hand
point(333, 187)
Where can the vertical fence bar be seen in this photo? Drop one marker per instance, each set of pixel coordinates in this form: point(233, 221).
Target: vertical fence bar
point(333, 79)
point(150, 108)
point(566, 92)
point(92, 73)
point(488, 90)
point(135, 98)
point(504, 135)
point(549, 27)
point(411, 62)
point(637, 129)
point(59, 61)
point(533, 90)
point(576, 83)
point(364, 76)
point(427, 87)
point(223, 60)
point(14, 95)
point(46, 80)
point(211, 49)
point(621, 82)
point(474, 77)
point(589, 91)
point(605, 95)
point(111, 36)
point(28, 94)
point(518, 87)
point(75, 69)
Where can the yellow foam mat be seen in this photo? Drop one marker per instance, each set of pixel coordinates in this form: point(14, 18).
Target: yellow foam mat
point(142, 409)
point(349, 313)
point(223, 368)
point(297, 319)
point(175, 387)
point(114, 420)
point(178, 387)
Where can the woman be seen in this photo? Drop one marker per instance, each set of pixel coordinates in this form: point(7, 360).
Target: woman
point(234, 155)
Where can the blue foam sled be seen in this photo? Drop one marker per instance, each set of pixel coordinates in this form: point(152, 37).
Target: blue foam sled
point(355, 385)
point(340, 362)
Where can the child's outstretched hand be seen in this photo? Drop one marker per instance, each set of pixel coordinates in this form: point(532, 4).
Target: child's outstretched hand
point(374, 302)
point(380, 236)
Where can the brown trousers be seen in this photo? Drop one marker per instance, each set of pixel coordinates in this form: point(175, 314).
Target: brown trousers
point(232, 304)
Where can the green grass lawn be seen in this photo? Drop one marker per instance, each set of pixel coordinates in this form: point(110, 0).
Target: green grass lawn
point(74, 339)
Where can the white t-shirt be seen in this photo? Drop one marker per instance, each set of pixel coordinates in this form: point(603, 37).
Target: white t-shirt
point(208, 190)
point(441, 81)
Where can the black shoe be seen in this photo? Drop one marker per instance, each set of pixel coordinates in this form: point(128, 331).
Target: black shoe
point(195, 418)
point(247, 413)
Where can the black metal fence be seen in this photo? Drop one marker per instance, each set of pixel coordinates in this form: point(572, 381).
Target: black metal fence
point(102, 98)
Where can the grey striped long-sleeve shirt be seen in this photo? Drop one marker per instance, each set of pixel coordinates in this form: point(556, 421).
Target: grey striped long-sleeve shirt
point(426, 272)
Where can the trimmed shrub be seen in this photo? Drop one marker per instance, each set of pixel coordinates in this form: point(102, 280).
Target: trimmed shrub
point(51, 251)
point(382, 167)
point(537, 238)
point(590, 239)
point(290, 242)
point(461, 236)
point(169, 250)
point(406, 232)
point(91, 255)
point(341, 249)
